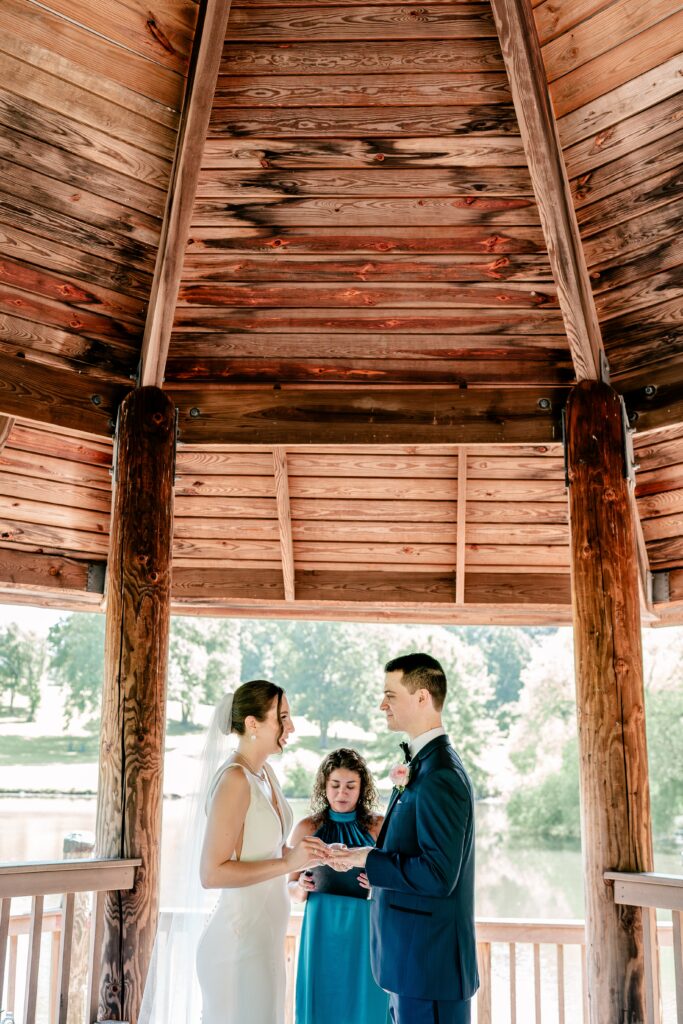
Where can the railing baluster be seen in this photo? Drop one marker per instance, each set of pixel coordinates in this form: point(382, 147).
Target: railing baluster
point(484, 993)
point(677, 918)
point(537, 982)
point(560, 984)
point(12, 979)
point(33, 960)
point(513, 983)
point(584, 984)
point(54, 976)
point(651, 973)
point(96, 936)
point(4, 932)
point(65, 946)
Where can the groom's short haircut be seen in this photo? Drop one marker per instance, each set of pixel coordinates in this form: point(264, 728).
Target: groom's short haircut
point(421, 672)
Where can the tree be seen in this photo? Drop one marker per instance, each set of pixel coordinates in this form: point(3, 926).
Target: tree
point(507, 652)
point(22, 660)
point(76, 650)
point(203, 661)
point(325, 668)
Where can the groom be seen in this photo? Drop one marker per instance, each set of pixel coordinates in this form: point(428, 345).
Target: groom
point(422, 870)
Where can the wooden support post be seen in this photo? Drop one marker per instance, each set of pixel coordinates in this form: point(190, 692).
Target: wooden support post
point(615, 801)
point(133, 706)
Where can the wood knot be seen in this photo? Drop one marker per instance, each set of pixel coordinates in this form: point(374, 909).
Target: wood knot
point(153, 576)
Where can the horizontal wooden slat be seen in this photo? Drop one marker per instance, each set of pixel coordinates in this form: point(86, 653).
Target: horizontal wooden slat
point(55, 539)
point(431, 182)
point(441, 21)
point(284, 91)
point(363, 57)
point(360, 294)
point(541, 322)
point(40, 878)
point(503, 238)
point(367, 416)
point(459, 151)
point(365, 122)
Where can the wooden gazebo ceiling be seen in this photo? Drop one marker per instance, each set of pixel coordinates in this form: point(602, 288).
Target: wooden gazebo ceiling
point(365, 263)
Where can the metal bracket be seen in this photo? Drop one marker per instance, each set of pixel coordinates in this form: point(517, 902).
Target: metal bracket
point(661, 587)
point(565, 453)
point(604, 367)
point(630, 466)
point(95, 580)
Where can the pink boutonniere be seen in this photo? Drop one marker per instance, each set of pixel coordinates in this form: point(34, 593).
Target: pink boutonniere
point(400, 776)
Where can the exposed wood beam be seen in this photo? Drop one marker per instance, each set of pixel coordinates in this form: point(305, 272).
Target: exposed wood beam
point(45, 394)
point(367, 415)
point(6, 424)
point(284, 516)
point(201, 86)
point(526, 73)
point(461, 527)
point(24, 570)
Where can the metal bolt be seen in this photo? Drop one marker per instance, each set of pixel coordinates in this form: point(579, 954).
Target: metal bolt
point(194, 412)
point(650, 390)
point(544, 403)
point(632, 417)
point(96, 399)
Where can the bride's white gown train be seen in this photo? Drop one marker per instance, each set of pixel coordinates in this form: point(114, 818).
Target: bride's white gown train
point(240, 956)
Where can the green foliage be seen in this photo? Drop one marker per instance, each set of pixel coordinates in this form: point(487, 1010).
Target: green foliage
point(76, 653)
point(328, 670)
point(298, 782)
point(22, 659)
point(664, 711)
point(549, 810)
point(507, 653)
point(204, 661)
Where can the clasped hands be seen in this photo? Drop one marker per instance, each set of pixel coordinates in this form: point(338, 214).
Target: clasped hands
point(334, 855)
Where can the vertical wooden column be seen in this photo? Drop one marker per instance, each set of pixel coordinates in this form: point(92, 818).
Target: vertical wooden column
point(133, 707)
point(615, 800)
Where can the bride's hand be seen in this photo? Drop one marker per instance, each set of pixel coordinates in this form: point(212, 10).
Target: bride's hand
point(310, 852)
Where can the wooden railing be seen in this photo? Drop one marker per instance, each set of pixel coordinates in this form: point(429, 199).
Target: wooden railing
point(37, 881)
point(654, 892)
point(540, 973)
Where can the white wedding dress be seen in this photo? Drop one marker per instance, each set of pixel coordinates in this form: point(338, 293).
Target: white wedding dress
point(241, 953)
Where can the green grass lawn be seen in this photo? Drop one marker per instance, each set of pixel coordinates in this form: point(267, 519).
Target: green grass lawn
point(16, 750)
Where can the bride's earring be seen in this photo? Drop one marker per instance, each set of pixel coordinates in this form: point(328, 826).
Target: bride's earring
point(253, 736)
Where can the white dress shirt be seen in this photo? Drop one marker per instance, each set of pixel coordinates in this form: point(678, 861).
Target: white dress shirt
point(423, 739)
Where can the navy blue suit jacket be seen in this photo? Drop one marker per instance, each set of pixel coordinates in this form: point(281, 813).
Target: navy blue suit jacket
point(423, 942)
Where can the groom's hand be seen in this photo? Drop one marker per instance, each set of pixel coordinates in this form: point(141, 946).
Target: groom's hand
point(345, 860)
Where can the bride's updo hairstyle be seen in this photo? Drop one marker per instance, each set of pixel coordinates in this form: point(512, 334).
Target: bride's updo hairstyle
point(254, 698)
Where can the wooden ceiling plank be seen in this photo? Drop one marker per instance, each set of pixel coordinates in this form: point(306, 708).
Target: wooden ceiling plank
point(284, 521)
point(341, 415)
point(204, 66)
point(524, 64)
point(458, 151)
point(361, 57)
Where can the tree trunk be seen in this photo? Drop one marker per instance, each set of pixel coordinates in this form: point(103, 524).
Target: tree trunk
point(134, 699)
point(615, 802)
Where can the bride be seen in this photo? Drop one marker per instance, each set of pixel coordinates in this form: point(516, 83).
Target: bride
point(240, 956)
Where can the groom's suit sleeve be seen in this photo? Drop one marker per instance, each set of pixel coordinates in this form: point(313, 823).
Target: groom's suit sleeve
point(443, 808)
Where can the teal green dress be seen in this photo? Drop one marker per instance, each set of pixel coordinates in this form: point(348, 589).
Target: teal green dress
point(334, 981)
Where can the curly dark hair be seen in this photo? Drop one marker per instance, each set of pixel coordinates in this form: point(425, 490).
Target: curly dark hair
point(351, 760)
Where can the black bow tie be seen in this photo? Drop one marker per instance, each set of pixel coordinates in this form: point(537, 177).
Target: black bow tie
point(406, 752)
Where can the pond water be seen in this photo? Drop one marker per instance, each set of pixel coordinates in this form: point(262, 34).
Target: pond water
point(512, 881)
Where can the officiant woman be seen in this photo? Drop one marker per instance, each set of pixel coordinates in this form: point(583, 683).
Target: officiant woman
point(334, 979)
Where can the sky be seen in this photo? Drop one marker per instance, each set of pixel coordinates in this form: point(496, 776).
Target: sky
point(35, 620)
